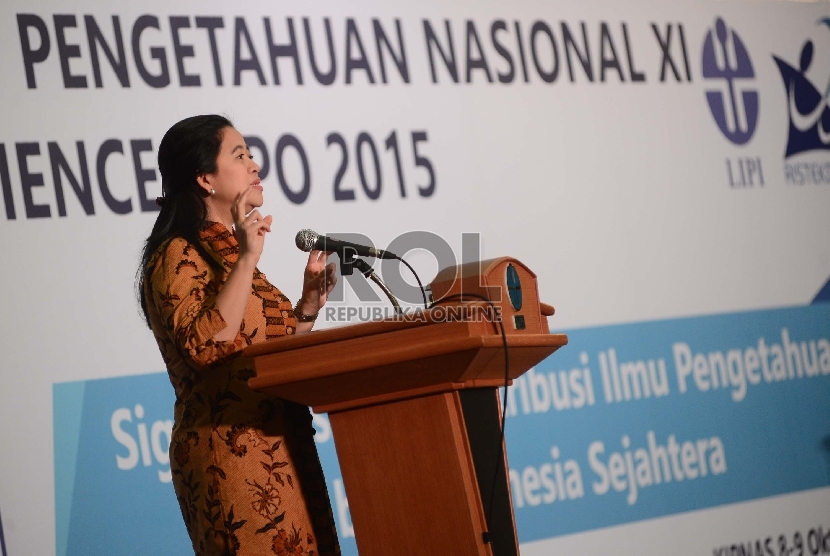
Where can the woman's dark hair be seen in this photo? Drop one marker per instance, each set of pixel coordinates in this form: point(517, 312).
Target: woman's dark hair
point(188, 149)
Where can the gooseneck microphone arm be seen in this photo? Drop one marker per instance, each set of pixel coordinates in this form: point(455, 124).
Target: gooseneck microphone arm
point(369, 273)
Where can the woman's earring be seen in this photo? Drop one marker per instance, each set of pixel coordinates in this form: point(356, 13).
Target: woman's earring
point(213, 192)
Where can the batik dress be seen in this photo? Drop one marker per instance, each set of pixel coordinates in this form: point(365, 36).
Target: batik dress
point(245, 468)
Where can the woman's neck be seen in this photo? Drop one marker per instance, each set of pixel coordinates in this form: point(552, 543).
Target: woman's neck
point(217, 216)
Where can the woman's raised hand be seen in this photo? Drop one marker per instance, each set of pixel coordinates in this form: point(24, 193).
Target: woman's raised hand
point(249, 229)
point(319, 278)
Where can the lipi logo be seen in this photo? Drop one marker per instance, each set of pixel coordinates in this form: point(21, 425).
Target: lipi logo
point(806, 104)
point(725, 58)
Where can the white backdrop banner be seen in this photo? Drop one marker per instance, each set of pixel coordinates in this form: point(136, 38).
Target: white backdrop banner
point(663, 167)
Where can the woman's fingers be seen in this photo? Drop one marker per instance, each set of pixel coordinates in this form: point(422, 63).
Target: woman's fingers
point(238, 205)
point(331, 277)
point(315, 270)
point(314, 257)
point(250, 228)
point(319, 279)
point(254, 217)
point(256, 221)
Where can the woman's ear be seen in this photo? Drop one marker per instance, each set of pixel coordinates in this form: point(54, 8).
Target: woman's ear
point(204, 182)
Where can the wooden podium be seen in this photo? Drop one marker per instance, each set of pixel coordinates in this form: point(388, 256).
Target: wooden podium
point(414, 409)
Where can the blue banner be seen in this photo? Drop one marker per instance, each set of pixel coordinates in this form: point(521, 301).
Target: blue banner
point(625, 423)
point(636, 421)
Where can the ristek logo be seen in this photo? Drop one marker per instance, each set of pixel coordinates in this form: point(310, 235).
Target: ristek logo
point(726, 58)
point(808, 133)
point(806, 105)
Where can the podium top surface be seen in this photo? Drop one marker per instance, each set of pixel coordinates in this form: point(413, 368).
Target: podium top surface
point(437, 350)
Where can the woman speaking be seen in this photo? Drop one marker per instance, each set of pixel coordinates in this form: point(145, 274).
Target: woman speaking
point(245, 468)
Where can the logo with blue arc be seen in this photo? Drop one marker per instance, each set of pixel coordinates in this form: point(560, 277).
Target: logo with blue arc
point(808, 103)
point(514, 287)
point(725, 58)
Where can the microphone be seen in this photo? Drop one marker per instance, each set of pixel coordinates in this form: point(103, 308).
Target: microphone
point(309, 240)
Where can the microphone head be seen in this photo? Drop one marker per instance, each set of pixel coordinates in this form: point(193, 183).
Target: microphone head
point(305, 240)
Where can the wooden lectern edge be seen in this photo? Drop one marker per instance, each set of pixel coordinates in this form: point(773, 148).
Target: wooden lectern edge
point(279, 384)
point(307, 369)
point(408, 394)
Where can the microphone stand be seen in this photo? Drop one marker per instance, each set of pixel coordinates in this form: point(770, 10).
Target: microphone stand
point(369, 273)
point(347, 261)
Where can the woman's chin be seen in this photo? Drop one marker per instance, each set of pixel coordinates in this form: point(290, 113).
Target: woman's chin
point(255, 202)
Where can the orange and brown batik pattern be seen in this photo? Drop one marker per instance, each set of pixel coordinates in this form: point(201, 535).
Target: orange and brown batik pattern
point(245, 468)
